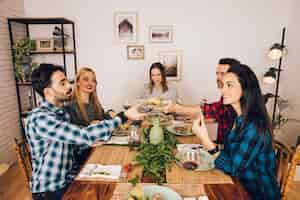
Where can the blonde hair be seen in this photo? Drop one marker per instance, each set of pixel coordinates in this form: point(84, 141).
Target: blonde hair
point(93, 97)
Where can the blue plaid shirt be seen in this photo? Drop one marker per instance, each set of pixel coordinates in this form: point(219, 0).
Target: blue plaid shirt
point(52, 138)
point(249, 156)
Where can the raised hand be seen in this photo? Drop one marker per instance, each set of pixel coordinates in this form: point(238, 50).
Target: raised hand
point(133, 113)
point(199, 128)
point(170, 107)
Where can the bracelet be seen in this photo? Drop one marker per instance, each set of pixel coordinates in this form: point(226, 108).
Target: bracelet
point(214, 150)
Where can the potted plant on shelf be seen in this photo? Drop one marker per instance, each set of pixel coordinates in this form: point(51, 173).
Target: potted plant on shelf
point(58, 36)
point(23, 60)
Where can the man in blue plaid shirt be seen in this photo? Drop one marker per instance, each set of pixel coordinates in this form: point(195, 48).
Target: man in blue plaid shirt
point(52, 137)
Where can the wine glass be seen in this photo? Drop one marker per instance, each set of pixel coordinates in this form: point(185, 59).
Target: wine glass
point(134, 138)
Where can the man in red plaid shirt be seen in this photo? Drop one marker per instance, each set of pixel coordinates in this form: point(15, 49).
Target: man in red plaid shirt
point(224, 115)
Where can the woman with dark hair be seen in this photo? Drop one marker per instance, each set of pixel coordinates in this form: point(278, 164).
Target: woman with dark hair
point(248, 153)
point(158, 86)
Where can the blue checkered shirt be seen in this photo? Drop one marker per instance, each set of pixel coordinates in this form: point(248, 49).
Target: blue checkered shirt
point(52, 138)
point(249, 157)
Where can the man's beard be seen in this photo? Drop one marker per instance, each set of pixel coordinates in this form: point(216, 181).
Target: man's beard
point(61, 98)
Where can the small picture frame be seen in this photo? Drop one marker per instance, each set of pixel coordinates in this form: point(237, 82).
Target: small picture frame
point(135, 52)
point(44, 44)
point(172, 62)
point(161, 34)
point(125, 27)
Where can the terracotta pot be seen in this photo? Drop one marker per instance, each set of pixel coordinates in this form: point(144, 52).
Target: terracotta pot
point(150, 179)
point(147, 179)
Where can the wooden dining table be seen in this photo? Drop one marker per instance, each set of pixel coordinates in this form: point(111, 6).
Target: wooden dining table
point(212, 183)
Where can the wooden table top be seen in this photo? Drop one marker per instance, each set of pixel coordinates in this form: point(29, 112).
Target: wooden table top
point(213, 183)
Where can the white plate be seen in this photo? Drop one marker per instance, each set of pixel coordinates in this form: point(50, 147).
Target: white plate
point(120, 140)
point(165, 192)
point(172, 130)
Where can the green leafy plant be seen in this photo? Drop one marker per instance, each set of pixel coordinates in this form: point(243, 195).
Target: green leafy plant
point(156, 159)
point(134, 180)
point(19, 72)
point(22, 49)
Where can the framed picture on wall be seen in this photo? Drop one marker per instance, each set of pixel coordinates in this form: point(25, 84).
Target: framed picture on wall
point(125, 27)
point(172, 62)
point(161, 34)
point(135, 52)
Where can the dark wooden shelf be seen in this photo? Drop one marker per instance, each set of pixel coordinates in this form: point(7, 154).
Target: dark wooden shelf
point(28, 83)
point(52, 52)
point(56, 20)
point(15, 25)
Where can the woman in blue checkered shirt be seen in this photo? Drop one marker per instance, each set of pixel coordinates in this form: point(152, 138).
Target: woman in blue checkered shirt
point(248, 153)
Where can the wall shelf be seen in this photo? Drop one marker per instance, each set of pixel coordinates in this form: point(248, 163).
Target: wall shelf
point(15, 25)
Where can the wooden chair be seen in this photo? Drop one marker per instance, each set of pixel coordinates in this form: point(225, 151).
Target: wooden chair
point(24, 158)
point(283, 156)
point(291, 173)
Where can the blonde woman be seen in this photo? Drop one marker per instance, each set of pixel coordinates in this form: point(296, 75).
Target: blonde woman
point(85, 107)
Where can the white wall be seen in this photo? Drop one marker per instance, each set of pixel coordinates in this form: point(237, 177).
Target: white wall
point(204, 30)
point(290, 84)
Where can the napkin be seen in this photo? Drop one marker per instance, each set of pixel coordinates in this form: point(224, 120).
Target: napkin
point(95, 171)
point(118, 140)
point(181, 147)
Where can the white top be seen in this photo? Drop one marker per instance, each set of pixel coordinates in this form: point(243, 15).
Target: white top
point(170, 94)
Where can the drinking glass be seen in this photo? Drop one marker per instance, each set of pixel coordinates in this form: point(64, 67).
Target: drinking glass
point(191, 159)
point(134, 139)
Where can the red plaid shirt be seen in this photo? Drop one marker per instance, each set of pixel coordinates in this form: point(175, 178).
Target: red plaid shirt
point(224, 116)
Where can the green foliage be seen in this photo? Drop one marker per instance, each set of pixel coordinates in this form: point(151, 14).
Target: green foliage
point(134, 180)
point(22, 50)
point(156, 159)
point(19, 72)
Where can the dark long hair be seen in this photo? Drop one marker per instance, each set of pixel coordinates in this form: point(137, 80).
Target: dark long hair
point(161, 68)
point(252, 101)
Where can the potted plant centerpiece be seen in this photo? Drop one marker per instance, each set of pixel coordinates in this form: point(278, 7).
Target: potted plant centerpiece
point(156, 154)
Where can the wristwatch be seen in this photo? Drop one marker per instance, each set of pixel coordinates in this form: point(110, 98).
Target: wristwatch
point(214, 150)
